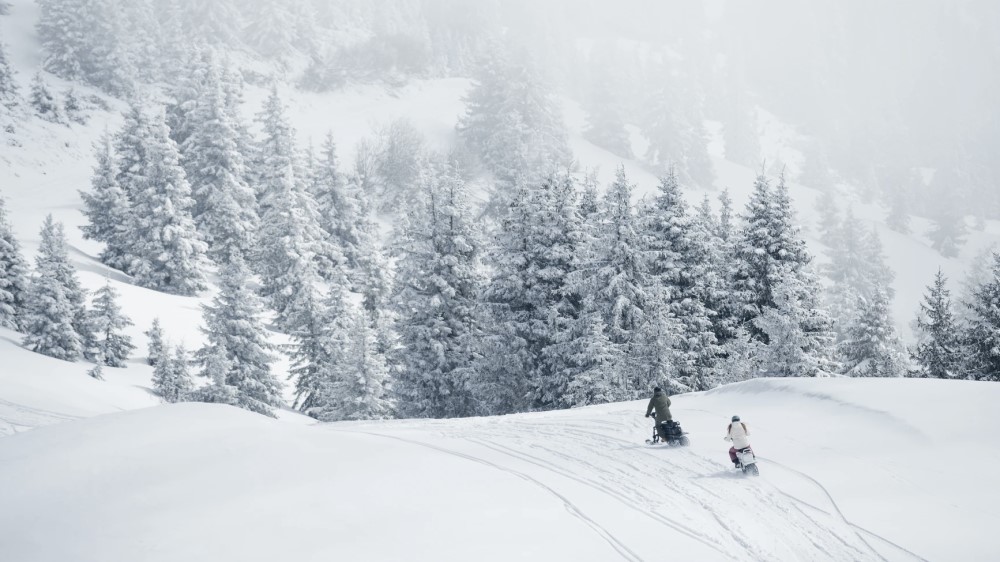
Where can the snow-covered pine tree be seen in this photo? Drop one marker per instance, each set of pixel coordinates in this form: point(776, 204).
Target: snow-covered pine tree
point(155, 347)
point(677, 259)
point(512, 123)
point(799, 337)
point(618, 283)
point(168, 253)
point(983, 332)
point(108, 209)
point(225, 206)
point(765, 250)
point(437, 284)
point(73, 108)
point(290, 236)
point(107, 343)
point(939, 350)
point(214, 22)
point(97, 372)
point(172, 375)
point(130, 148)
point(10, 92)
point(216, 367)
point(42, 100)
point(83, 40)
point(726, 228)
point(677, 139)
point(360, 387)
point(872, 348)
point(857, 266)
point(54, 319)
point(233, 327)
point(13, 275)
point(270, 29)
point(338, 207)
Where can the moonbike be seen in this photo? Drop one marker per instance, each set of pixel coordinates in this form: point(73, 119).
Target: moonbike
point(669, 432)
point(747, 461)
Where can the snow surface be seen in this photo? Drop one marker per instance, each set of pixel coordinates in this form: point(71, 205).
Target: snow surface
point(851, 469)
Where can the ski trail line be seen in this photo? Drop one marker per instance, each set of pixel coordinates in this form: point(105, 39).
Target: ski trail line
point(620, 547)
point(607, 491)
point(833, 502)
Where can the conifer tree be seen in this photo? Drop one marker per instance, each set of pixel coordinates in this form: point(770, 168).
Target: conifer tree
point(872, 348)
point(216, 367)
point(829, 219)
point(107, 344)
point(899, 210)
point(172, 376)
point(799, 337)
point(55, 316)
point(359, 388)
point(130, 148)
point(168, 253)
point(13, 275)
point(83, 40)
point(678, 260)
point(108, 209)
point(619, 280)
point(437, 284)
point(939, 348)
point(337, 203)
point(10, 94)
point(225, 206)
point(511, 122)
point(43, 102)
point(97, 372)
point(73, 108)
point(983, 332)
point(155, 348)
point(234, 330)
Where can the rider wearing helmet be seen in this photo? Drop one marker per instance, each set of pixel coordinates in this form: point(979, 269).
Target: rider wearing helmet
point(738, 433)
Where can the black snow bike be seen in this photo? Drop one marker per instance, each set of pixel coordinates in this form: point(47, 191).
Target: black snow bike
point(669, 432)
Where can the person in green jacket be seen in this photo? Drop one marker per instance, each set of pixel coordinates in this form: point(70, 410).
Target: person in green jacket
point(661, 403)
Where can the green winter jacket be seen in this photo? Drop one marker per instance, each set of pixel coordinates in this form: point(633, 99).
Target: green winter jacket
point(661, 403)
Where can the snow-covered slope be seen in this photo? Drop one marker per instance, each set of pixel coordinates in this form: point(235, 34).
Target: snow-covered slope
point(851, 469)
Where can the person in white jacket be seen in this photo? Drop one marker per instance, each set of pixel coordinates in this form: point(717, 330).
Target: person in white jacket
point(738, 433)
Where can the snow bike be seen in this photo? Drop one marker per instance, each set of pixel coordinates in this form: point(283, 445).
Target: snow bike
point(747, 461)
point(669, 432)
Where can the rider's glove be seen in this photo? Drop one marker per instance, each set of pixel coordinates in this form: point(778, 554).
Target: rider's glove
point(647, 415)
point(727, 438)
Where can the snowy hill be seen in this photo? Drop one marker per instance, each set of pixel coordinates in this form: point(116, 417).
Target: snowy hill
point(850, 470)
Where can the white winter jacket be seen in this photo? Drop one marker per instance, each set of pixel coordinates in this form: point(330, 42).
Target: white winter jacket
point(738, 432)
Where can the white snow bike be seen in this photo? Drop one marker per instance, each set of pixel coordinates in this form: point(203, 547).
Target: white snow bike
point(747, 461)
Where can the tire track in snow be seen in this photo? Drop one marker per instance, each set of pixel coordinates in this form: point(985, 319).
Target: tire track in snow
point(572, 508)
point(833, 502)
point(621, 498)
point(737, 537)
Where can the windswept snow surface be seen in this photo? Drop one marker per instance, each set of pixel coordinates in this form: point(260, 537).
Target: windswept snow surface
point(851, 469)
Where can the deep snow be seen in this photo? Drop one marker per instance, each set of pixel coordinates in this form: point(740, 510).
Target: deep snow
point(851, 469)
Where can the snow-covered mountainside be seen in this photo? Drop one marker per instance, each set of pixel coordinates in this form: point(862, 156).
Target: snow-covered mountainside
point(103, 470)
point(850, 469)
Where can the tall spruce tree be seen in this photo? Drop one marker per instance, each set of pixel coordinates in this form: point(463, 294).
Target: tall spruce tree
point(83, 40)
point(108, 210)
point(359, 388)
point(169, 254)
point(155, 346)
point(55, 314)
point(10, 92)
point(872, 348)
point(234, 331)
point(679, 260)
point(619, 282)
point(437, 284)
point(939, 351)
point(13, 275)
point(43, 102)
point(983, 332)
point(172, 376)
point(107, 343)
point(225, 206)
